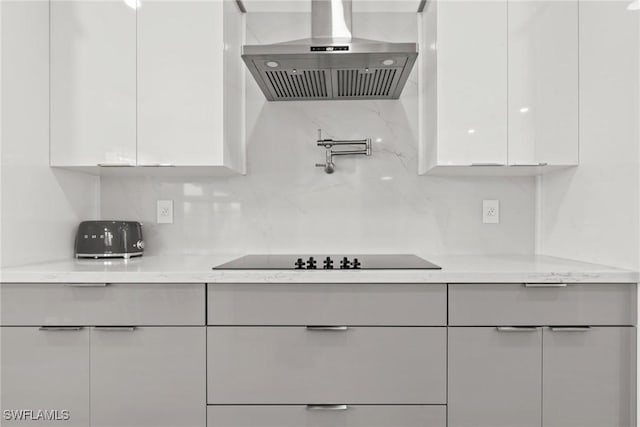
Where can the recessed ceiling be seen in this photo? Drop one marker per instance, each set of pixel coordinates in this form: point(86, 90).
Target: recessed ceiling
point(305, 5)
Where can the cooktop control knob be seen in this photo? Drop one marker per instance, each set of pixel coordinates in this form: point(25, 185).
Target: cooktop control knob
point(345, 264)
point(299, 264)
point(328, 263)
point(311, 263)
point(356, 264)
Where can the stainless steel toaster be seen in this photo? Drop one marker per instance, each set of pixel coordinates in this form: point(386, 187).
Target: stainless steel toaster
point(109, 239)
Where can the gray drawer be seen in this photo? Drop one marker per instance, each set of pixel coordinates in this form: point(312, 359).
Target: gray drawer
point(542, 304)
point(295, 365)
point(100, 304)
point(352, 416)
point(327, 304)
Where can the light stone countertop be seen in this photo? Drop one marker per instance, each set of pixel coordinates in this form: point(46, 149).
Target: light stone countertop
point(198, 269)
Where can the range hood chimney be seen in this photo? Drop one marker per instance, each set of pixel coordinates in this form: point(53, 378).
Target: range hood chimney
point(332, 64)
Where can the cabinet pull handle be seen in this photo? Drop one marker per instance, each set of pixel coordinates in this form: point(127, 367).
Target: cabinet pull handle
point(158, 165)
point(86, 285)
point(487, 164)
point(327, 407)
point(60, 328)
point(570, 328)
point(328, 328)
point(545, 285)
point(529, 164)
point(115, 328)
point(517, 328)
point(115, 165)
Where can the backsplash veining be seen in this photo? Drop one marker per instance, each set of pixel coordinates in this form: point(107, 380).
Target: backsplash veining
point(286, 204)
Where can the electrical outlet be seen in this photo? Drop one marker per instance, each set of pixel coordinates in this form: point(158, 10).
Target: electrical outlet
point(164, 212)
point(491, 211)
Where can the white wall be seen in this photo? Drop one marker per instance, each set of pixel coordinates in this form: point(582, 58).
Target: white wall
point(370, 204)
point(40, 207)
point(591, 212)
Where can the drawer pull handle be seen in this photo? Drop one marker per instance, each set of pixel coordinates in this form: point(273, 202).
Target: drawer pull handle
point(570, 328)
point(517, 328)
point(545, 285)
point(86, 285)
point(328, 328)
point(115, 328)
point(327, 407)
point(60, 328)
point(530, 164)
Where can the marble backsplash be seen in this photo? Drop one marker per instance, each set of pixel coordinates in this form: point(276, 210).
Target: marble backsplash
point(286, 204)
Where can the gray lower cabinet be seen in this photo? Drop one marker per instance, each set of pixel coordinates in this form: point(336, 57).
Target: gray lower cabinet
point(589, 377)
point(482, 304)
point(148, 376)
point(333, 416)
point(494, 377)
point(564, 376)
point(48, 370)
point(162, 304)
point(371, 304)
point(299, 365)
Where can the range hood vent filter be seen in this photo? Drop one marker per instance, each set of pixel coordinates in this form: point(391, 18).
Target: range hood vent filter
point(306, 84)
point(374, 84)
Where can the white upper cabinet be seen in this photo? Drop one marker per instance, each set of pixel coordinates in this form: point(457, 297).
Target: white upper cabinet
point(499, 86)
point(471, 77)
point(160, 85)
point(190, 83)
point(93, 83)
point(543, 82)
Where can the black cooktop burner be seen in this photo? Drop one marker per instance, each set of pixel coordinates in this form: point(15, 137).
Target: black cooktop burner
point(328, 262)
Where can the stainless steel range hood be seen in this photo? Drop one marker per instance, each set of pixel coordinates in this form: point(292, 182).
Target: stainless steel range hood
point(331, 64)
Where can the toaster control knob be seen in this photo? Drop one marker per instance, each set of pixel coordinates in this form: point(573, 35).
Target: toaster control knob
point(139, 244)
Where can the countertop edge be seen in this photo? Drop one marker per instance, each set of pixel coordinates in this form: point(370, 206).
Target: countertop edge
point(264, 276)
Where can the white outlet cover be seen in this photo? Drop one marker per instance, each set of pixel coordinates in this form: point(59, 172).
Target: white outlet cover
point(164, 212)
point(491, 211)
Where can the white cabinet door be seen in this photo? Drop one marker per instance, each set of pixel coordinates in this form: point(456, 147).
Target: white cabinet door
point(589, 377)
point(93, 83)
point(471, 87)
point(148, 376)
point(186, 96)
point(543, 82)
point(495, 377)
point(45, 370)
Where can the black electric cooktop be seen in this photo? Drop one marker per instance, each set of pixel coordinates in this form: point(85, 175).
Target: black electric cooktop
point(328, 262)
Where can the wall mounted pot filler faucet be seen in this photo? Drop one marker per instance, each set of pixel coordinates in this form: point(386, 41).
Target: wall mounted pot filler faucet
point(330, 146)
